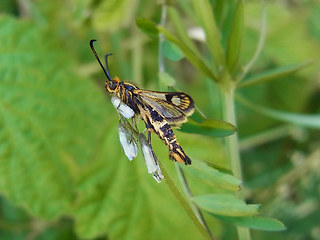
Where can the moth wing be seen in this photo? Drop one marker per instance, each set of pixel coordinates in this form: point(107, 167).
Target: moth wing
point(181, 101)
point(178, 100)
point(175, 107)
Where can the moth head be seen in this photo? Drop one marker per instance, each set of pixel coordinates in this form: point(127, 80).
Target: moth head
point(112, 85)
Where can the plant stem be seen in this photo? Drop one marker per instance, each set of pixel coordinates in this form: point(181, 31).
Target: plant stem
point(232, 144)
point(184, 204)
point(267, 136)
point(189, 194)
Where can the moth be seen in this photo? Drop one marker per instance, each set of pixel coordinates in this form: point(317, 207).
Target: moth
point(159, 110)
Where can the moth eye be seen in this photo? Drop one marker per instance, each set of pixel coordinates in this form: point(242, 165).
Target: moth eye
point(112, 85)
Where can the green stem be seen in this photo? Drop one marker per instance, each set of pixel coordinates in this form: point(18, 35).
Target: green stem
point(232, 144)
point(197, 212)
point(266, 136)
point(185, 205)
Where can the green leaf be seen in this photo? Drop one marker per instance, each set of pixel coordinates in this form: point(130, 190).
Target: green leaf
point(196, 116)
point(147, 26)
point(171, 51)
point(209, 127)
point(167, 79)
point(193, 57)
point(254, 222)
point(235, 37)
point(273, 74)
point(48, 118)
point(205, 15)
point(304, 120)
point(212, 176)
point(226, 205)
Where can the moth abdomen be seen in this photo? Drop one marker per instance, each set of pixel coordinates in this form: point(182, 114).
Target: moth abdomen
point(176, 153)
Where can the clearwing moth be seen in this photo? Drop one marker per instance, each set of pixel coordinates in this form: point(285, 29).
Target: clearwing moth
point(159, 110)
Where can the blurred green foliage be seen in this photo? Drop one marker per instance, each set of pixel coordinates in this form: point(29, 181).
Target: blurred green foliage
point(63, 174)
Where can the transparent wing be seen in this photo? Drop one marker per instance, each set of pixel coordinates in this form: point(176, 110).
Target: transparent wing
point(175, 107)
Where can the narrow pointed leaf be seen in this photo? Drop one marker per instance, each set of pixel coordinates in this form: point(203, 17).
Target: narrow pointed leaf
point(204, 13)
point(220, 7)
point(210, 127)
point(226, 205)
point(147, 26)
point(196, 60)
point(196, 116)
point(212, 176)
point(254, 222)
point(273, 74)
point(235, 37)
point(304, 120)
point(261, 41)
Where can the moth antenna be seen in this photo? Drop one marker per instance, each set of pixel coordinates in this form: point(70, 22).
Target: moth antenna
point(98, 59)
point(107, 67)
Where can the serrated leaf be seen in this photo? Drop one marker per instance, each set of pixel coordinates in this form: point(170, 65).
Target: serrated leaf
point(147, 26)
point(273, 74)
point(171, 51)
point(304, 120)
point(204, 13)
point(226, 205)
point(212, 176)
point(47, 118)
point(167, 79)
point(235, 37)
point(254, 222)
point(193, 57)
point(209, 127)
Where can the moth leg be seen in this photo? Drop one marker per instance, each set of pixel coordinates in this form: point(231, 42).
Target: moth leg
point(134, 124)
point(149, 138)
point(144, 130)
point(133, 129)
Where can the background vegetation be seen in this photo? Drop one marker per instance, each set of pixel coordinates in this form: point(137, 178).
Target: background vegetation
point(63, 174)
